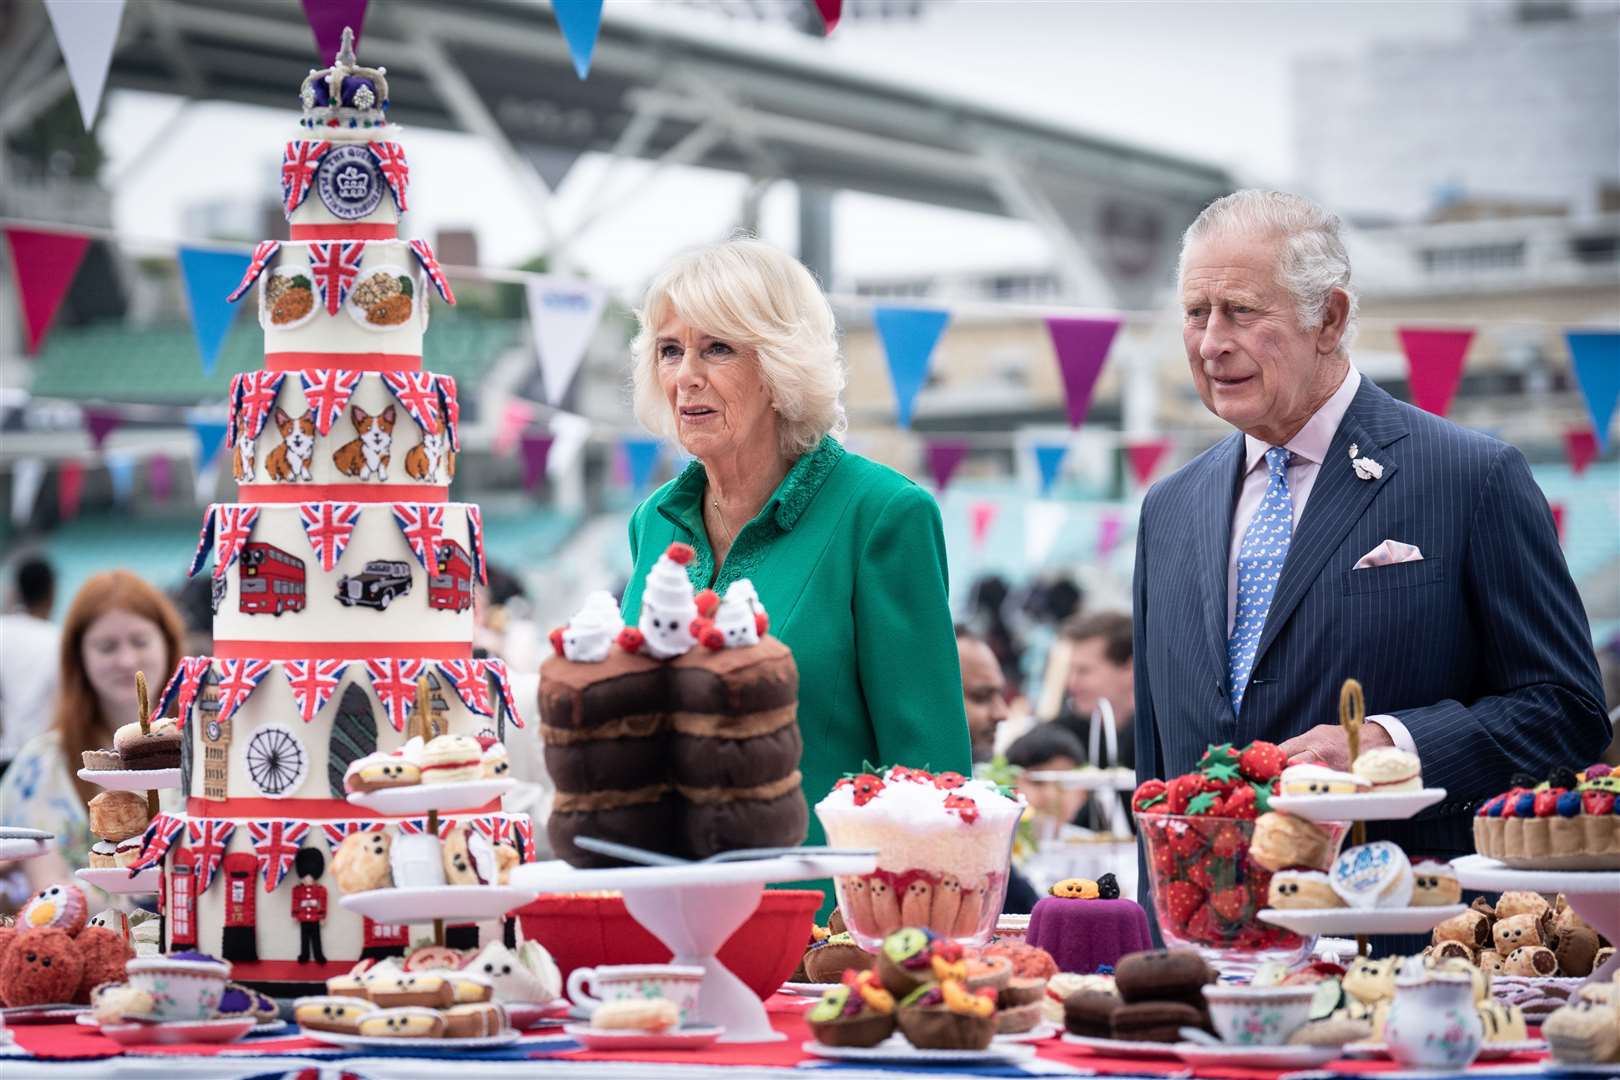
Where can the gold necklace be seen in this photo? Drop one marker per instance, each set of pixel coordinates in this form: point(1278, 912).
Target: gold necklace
point(724, 524)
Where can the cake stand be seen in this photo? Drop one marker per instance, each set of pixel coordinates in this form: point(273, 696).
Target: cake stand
point(116, 879)
point(1594, 894)
point(132, 779)
point(693, 910)
point(24, 843)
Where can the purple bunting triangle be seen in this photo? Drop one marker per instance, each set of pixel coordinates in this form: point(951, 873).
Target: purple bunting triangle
point(536, 449)
point(1082, 348)
point(943, 458)
point(100, 423)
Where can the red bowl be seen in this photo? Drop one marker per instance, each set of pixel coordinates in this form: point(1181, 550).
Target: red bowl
point(584, 931)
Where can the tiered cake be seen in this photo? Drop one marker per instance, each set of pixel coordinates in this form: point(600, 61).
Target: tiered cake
point(342, 579)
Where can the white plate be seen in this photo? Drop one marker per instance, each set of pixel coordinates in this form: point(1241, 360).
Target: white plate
point(174, 1032)
point(1346, 920)
point(1373, 806)
point(1039, 1033)
point(22, 847)
point(478, 1042)
point(442, 902)
point(260, 1027)
point(1122, 1048)
point(687, 1038)
point(420, 798)
point(897, 1050)
point(1256, 1057)
point(527, 1014)
point(1489, 875)
point(806, 989)
point(1564, 1068)
point(132, 779)
point(116, 879)
point(41, 1014)
point(1490, 1051)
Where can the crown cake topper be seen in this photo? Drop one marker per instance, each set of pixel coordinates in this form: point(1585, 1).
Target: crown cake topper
point(345, 94)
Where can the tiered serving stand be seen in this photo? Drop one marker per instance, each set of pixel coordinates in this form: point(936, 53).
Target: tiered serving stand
point(118, 879)
point(1594, 894)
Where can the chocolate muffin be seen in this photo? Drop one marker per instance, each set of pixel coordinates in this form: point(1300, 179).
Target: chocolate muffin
point(1155, 1021)
point(1090, 1013)
point(1164, 975)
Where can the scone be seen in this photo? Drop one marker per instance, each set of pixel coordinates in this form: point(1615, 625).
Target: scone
point(103, 855)
point(451, 758)
point(1583, 1033)
point(1282, 840)
point(341, 1014)
point(362, 862)
point(1307, 889)
point(128, 852)
point(468, 858)
point(118, 815)
point(156, 748)
point(403, 1023)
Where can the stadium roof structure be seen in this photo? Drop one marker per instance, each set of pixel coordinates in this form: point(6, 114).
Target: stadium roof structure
point(659, 90)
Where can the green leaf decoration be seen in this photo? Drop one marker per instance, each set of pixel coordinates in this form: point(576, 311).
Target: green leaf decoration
point(405, 287)
point(1155, 801)
point(354, 735)
point(1222, 772)
point(1201, 802)
point(1262, 796)
point(299, 281)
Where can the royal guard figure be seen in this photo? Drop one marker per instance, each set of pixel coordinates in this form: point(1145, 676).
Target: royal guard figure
point(309, 903)
point(239, 943)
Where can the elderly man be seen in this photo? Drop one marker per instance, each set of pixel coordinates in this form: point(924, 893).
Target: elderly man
point(1342, 533)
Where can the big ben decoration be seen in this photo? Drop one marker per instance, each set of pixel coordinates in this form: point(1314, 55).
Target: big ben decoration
point(216, 740)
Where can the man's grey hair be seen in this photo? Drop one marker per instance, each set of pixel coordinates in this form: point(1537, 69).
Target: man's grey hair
point(1311, 260)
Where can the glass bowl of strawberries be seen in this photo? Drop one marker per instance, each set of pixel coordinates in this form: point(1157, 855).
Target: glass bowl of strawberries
point(1196, 829)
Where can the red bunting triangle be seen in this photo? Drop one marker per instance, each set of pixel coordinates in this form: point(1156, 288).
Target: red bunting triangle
point(1434, 360)
point(69, 489)
point(1144, 457)
point(831, 11)
point(1580, 446)
point(1557, 509)
point(43, 264)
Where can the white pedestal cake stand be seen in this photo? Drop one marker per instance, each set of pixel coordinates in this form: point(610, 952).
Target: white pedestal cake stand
point(1594, 894)
point(24, 843)
point(693, 910)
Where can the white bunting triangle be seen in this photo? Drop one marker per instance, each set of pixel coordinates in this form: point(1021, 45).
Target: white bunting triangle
point(27, 476)
point(563, 314)
point(1043, 523)
point(87, 33)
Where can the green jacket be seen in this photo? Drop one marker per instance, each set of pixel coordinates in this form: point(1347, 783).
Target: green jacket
point(848, 557)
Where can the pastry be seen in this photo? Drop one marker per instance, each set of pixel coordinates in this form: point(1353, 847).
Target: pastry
point(1502, 1023)
point(1521, 902)
point(1375, 875)
point(102, 760)
point(1018, 1005)
point(827, 961)
point(858, 1013)
point(474, 1020)
point(1028, 961)
point(341, 1014)
point(496, 764)
point(1583, 1033)
point(128, 852)
point(1060, 986)
point(948, 1016)
point(235, 1001)
point(1490, 961)
point(347, 986)
point(526, 976)
point(468, 858)
point(979, 972)
point(1370, 981)
point(1469, 927)
point(1531, 961)
point(1321, 780)
point(103, 855)
point(156, 748)
point(1434, 884)
point(113, 1003)
point(1333, 1031)
point(1388, 769)
point(1514, 932)
point(1282, 840)
point(416, 861)
point(637, 1014)
point(470, 988)
point(1449, 950)
point(1164, 975)
point(118, 815)
point(1567, 822)
point(374, 772)
point(1156, 1021)
point(1090, 1013)
point(362, 862)
point(402, 1023)
point(425, 988)
point(452, 758)
point(1308, 889)
point(1604, 955)
point(905, 961)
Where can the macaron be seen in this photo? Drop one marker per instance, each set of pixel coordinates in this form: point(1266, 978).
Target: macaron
point(1389, 768)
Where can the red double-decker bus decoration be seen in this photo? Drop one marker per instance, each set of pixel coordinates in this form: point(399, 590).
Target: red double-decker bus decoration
point(271, 580)
point(450, 585)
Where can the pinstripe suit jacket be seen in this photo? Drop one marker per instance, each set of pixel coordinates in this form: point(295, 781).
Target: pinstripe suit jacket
point(1482, 649)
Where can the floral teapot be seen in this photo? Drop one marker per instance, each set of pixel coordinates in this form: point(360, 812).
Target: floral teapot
point(1433, 1022)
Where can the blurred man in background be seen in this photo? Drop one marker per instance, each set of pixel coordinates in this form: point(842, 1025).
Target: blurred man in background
point(984, 692)
point(1100, 670)
point(28, 655)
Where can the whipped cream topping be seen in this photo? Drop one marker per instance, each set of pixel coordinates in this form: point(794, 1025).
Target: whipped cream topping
point(915, 824)
point(668, 607)
point(735, 617)
point(589, 635)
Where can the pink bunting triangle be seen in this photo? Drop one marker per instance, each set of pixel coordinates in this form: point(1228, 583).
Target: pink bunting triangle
point(1580, 446)
point(1108, 530)
point(1144, 457)
point(43, 265)
point(1082, 348)
point(1557, 509)
point(1434, 359)
point(981, 515)
point(943, 458)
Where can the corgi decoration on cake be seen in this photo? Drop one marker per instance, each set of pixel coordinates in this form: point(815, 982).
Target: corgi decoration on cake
point(367, 456)
point(290, 460)
point(246, 453)
point(422, 460)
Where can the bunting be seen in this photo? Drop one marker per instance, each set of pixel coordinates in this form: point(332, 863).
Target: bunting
point(298, 164)
point(1595, 357)
point(233, 406)
point(313, 683)
point(160, 477)
point(100, 423)
point(525, 830)
point(263, 251)
point(475, 536)
point(207, 274)
point(944, 455)
point(831, 11)
point(86, 36)
point(238, 679)
point(1144, 456)
point(329, 527)
point(328, 19)
point(471, 682)
point(503, 685)
point(423, 526)
point(208, 839)
point(390, 158)
point(276, 845)
point(450, 409)
point(430, 265)
point(580, 22)
point(258, 396)
point(500, 829)
point(563, 316)
point(334, 266)
point(419, 393)
point(233, 530)
point(69, 488)
point(121, 474)
point(183, 686)
point(337, 831)
point(327, 390)
point(982, 515)
point(1082, 349)
point(205, 540)
point(1434, 362)
point(1049, 462)
point(156, 841)
point(394, 681)
point(536, 450)
point(43, 265)
point(210, 436)
point(908, 336)
point(1109, 527)
point(640, 458)
point(1581, 448)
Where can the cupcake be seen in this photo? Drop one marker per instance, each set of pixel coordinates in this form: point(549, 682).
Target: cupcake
point(1389, 768)
point(1434, 884)
point(827, 960)
point(860, 1012)
point(948, 1016)
point(906, 960)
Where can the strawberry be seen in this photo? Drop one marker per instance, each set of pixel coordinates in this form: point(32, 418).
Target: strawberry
point(1182, 900)
point(963, 807)
point(556, 638)
point(1205, 802)
point(1149, 795)
point(1231, 903)
point(1185, 841)
point(1198, 872)
point(1204, 926)
point(1594, 801)
point(1546, 804)
point(867, 787)
point(707, 602)
point(631, 639)
point(947, 781)
point(1229, 840)
point(1164, 861)
point(1262, 761)
point(1180, 791)
point(1242, 804)
point(915, 776)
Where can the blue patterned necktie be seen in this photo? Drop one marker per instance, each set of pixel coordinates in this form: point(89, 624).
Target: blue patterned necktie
point(1259, 565)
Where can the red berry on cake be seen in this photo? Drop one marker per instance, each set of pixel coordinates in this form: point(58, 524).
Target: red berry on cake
point(680, 553)
point(762, 623)
point(556, 637)
point(708, 602)
point(1262, 761)
point(867, 787)
point(631, 640)
point(947, 781)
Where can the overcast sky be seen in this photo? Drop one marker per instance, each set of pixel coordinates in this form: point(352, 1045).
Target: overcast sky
point(1210, 80)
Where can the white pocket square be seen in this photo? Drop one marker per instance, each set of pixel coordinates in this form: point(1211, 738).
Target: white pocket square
point(1390, 551)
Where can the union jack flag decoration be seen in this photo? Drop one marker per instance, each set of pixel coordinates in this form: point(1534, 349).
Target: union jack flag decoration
point(471, 683)
point(208, 839)
point(486, 828)
point(419, 826)
point(239, 679)
point(423, 526)
point(475, 536)
point(183, 684)
point(205, 540)
point(525, 831)
point(233, 530)
point(259, 390)
point(313, 683)
point(298, 164)
point(334, 267)
point(262, 254)
point(498, 828)
point(234, 404)
point(395, 684)
point(337, 831)
point(391, 160)
point(417, 392)
point(435, 273)
point(156, 841)
point(450, 408)
point(328, 390)
point(276, 843)
point(503, 686)
point(329, 525)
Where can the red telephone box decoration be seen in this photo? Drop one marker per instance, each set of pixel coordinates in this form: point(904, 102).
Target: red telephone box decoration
point(182, 898)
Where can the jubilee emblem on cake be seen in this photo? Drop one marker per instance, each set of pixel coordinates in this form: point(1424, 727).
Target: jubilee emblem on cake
point(343, 581)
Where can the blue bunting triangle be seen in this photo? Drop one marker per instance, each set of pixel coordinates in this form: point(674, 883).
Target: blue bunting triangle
point(580, 22)
point(210, 439)
point(909, 336)
point(640, 456)
point(1049, 459)
point(1596, 358)
point(209, 277)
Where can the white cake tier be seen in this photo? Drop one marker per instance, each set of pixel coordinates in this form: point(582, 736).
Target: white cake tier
point(349, 180)
point(379, 325)
point(275, 598)
point(288, 459)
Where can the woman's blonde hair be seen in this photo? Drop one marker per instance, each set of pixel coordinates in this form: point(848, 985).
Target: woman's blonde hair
point(747, 293)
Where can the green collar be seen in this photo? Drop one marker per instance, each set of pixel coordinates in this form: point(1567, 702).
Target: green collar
point(682, 505)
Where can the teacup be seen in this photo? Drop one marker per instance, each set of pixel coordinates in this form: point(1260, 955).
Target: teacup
point(1258, 1015)
point(180, 988)
point(591, 986)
